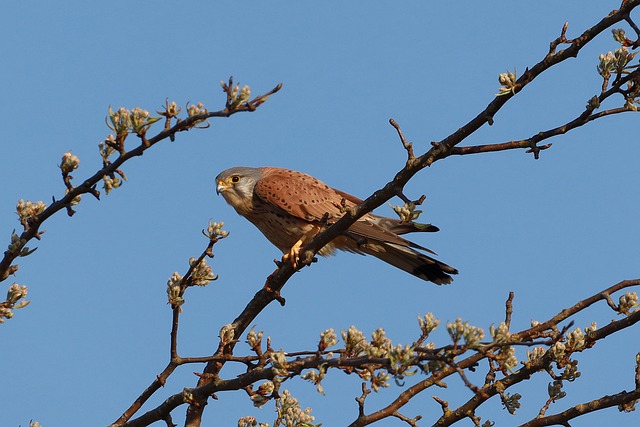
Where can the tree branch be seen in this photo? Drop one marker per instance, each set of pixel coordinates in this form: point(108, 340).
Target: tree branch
point(276, 281)
point(562, 418)
point(88, 186)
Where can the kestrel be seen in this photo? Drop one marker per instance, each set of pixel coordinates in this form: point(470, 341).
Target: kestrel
point(291, 207)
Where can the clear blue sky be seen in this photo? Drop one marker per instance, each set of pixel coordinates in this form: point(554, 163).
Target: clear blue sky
point(553, 230)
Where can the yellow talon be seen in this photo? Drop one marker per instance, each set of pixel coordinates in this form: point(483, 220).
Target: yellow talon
point(294, 254)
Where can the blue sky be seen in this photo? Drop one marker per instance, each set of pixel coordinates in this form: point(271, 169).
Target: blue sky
point(96, 334)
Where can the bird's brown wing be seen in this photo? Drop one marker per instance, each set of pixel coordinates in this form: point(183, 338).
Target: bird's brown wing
point(299, 195)
point(310, 199)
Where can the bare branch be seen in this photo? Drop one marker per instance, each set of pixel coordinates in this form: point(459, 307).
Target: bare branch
point(509, 309)
point(406, 144)
point(562, 418)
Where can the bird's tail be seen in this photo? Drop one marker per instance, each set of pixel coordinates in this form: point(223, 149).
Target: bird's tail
point(411, 261)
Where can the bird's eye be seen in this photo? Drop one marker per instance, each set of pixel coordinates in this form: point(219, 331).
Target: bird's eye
point(235, 179)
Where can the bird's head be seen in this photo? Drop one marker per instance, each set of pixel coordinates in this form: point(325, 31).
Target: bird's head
point(236, 185)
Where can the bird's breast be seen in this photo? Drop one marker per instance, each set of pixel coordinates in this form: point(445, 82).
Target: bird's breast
point(282, 230)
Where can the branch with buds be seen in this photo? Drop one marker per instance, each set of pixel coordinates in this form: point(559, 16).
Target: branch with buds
point(123, 123)
point(551, 347)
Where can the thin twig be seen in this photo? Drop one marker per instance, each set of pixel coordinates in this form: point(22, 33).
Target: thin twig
point(406, 144)
point(509, 309)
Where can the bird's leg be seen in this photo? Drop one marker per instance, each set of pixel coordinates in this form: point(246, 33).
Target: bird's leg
point(294, 253)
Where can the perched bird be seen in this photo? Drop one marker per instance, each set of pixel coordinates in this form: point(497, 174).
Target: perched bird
point(291, 207)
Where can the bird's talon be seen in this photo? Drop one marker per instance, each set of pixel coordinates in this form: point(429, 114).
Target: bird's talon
point(293, 259)
point(294, 254)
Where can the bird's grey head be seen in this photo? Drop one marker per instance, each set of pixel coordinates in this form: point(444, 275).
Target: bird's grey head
point(236, 184)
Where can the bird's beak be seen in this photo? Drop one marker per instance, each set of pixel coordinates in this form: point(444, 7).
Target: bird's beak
point(221, 187)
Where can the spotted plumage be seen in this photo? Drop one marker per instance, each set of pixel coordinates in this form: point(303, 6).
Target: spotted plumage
point(291, 207)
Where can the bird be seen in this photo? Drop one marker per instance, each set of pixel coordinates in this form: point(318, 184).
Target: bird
point(291, 207)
